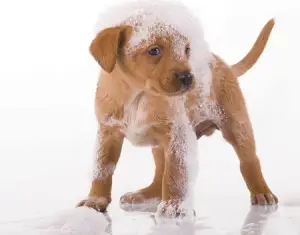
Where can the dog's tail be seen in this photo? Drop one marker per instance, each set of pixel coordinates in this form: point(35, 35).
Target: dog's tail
point(253, 55)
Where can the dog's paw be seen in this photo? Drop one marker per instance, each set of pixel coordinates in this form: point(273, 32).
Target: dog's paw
point(142, 200)
point(141, 196)
point(173, 209)
point(98, 203)
point(264, 199)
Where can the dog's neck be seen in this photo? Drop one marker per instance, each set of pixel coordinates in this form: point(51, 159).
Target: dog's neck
point(115, 86)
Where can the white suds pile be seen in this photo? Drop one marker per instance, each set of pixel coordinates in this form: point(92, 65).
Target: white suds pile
point(150, 18)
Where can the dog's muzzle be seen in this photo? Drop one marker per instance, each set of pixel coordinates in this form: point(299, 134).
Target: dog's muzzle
point(185, 79)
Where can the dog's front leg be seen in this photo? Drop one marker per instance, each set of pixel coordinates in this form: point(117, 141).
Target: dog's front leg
point(180, 148)
point(109, 145)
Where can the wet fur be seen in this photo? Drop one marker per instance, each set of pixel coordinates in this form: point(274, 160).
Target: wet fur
point(135, 101)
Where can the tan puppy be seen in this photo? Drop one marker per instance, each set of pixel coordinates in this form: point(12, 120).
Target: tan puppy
point(160, 86)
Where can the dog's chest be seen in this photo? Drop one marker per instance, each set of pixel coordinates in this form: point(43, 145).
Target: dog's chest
point(134, 124)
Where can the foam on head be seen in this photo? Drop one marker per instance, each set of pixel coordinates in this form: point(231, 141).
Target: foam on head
point(150, 18)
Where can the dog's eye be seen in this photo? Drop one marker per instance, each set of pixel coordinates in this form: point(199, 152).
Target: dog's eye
point(154, 51)
point(187, 50)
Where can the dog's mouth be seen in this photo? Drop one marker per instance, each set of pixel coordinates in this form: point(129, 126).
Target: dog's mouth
point(181, 91)
point(184, 90)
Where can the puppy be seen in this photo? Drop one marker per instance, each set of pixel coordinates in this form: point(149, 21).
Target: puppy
point(160, 86)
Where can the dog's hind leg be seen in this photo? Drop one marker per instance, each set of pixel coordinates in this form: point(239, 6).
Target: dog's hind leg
point(237, 130)
point(151, 195)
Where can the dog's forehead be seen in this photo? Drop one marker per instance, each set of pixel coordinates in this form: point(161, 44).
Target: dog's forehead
point(147, 33)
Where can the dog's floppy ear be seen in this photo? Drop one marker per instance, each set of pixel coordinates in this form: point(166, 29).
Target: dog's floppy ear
point(104, 48)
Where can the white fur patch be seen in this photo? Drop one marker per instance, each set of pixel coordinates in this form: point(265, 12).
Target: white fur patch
point(133, 124)
point(151, 18)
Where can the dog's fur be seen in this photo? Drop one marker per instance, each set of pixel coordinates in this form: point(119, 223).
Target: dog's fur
point(138, 98)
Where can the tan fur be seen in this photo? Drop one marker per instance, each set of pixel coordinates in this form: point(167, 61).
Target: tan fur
point(250, 59)
point(134, 100)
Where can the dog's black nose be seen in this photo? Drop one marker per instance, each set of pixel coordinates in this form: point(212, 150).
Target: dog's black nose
point(185, 78)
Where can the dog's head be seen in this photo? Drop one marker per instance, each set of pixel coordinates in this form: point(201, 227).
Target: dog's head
point(152, 53)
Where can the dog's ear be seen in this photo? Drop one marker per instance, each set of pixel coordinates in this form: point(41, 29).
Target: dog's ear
point(104, 48)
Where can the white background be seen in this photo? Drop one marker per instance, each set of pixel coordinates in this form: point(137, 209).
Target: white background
point(47, 123)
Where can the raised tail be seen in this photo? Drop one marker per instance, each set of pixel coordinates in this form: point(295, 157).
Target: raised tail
point(253, 55)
